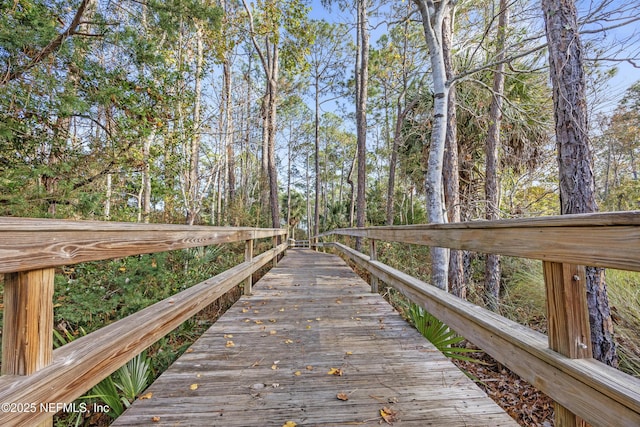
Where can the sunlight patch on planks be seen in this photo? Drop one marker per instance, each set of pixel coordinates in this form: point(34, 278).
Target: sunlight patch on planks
point(267, 361)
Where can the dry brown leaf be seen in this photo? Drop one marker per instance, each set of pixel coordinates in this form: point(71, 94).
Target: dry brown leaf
point(297, 373)
point(389, 415)
point(288, 342)
point(145, 396)
point(335, 371)
point(258, 322)
point(342, 396)
point(155, 419)
point(349, 353)
point(230, 344)
point(309, 368)
point(272, 332)
point(193, 386)
point(228, 336)
point(189, 350)
point(289, 424)
point(244, 310)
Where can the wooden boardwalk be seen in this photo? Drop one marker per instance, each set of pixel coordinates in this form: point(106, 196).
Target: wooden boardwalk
point(267, 360)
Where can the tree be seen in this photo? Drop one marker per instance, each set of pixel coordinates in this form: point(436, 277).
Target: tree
point(433, 15)
point(327, 60)
point(282, 25)
point(492, 184)
point(362, 84)
point(577, 185)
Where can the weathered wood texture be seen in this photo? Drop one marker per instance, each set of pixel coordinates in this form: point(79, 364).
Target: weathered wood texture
point(600, 240)
point(568, 321)
point(81, 364)
point(597, 393)
point(266, 362)
point(29, 244)
point(27, 339)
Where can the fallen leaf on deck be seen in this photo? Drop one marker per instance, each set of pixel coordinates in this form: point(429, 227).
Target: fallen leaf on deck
point(282, 309)
point(297, 373)
point(193, 386)
point(309, 368)
point(349, 353)
point(289, 424)
point(145, 396)
point(258, 322)
point(189, 350)
point(308, 327)
point(244, 310)
point(335, 371)
point(272, 332)
point(342, 396)
point(230, 344)
point(338, 301)
point(228, 336)
point(389, 414)
point(272, 320)
point(274, 367)
point(288, 342)
point(155, 419)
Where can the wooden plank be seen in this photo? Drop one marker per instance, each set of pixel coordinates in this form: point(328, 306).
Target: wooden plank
point(248, 256)
point(605, 240)
point(27, 339)
point(590, 389)
point(373, 256)
point(308, 315)
point(567, 312)
point(29, 244)
point(81, 364)
point(568, 321)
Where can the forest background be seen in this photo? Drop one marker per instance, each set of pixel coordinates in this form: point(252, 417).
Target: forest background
point(313, 117)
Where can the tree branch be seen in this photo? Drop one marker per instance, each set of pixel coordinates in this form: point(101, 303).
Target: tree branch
point(53, 46)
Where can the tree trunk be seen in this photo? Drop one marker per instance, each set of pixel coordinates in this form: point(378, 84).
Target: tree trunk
point(316, 206)
point(194, 152)
point(492, 183)
point(451, 177)
point(272, 171)
point(432, 17)
point(361, 112)
point(577, 186)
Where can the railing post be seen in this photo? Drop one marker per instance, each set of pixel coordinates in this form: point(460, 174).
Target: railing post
point(27, 342)
point(567, 321)
point(275, 245)
point(373, 256)
point(248, 256)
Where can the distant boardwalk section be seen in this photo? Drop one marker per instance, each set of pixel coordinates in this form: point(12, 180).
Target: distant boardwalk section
point(312, 346)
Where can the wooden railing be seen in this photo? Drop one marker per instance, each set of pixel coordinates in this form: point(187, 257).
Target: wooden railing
point(37, 380)
point(560, 364)
point(293, 243)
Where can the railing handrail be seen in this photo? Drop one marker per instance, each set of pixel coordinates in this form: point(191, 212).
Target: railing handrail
point(30, 249)
point(588, 388)
point(610, 240)
point(29, 244)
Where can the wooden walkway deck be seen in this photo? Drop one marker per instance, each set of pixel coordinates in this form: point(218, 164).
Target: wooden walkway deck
point(267, 361)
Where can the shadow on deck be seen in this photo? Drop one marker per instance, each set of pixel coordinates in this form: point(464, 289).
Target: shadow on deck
point(267, 361)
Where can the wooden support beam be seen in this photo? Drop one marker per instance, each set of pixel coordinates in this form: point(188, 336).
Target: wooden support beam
point(373, 256)
point(27, 342)
point(248, 256)
point(568, 321)
point(275, 245)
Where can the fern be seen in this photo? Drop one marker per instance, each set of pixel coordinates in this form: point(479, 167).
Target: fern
point(439, 334)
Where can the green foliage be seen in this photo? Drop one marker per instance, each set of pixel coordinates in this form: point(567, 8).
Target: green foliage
point(439, 334)
point(119, 390)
